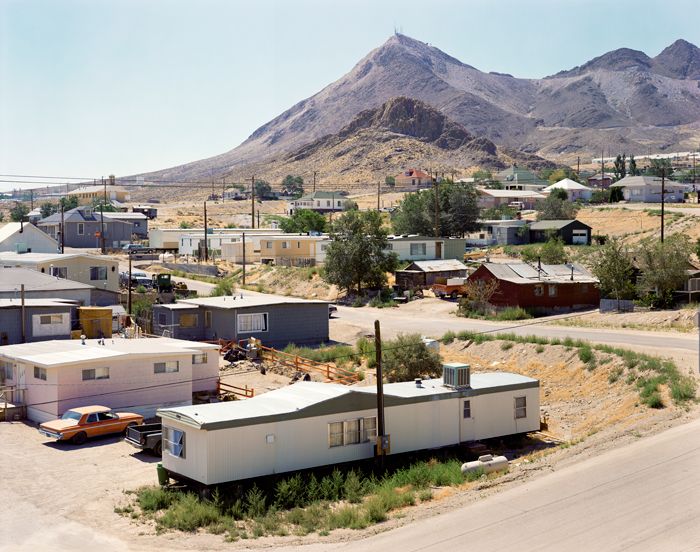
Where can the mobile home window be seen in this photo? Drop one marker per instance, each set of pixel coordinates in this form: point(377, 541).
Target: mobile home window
point(200, 358)
point(467, 410)
point(369, 429)
point(520, 407)
point(268, 245)
point(552, 290)
point(81, 229)
point(539, 290)
point(335, 434)
point(352, 432)
point(189, 320)
point(166, 367)
point(50, 319)
point(161, 319)
point(417, 249)
point(95, 374)
point(98, 273)
point(40, 373)
point(248, 323)
point(174, 441)
point(285, 245)
point(6, 371)
point(207, 319)
point(59, 272)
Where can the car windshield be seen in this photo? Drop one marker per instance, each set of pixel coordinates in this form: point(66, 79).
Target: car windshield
point(71, 415)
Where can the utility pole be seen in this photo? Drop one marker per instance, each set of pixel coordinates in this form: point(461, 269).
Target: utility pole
point(31, 199)
point(602, 169)
point(24, 314)
point(382, 438)
point(128, 293)
point(578, 167)
point(243, 258)
point(223, 189)
point(102, 215)
point(379, 192)
point(63, 232)
point(437, 207)
point(314, 181)
point(663, 200)
point(258, 218)
point(206, 235)
point(252, 205)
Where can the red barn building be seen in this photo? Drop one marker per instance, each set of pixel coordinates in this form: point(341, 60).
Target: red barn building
point(544, 287)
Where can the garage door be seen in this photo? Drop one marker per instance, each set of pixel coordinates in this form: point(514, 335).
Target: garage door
point(580, 237)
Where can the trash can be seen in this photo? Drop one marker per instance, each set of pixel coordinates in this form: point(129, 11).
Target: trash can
point(162, 475)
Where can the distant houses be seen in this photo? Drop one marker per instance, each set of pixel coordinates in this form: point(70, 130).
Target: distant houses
point(600, 180)
point(518, 199)
point(647, 189)
point(89, 194)
point(421, 248)
point(423, 274)
point(548, 288)
point(517, 178)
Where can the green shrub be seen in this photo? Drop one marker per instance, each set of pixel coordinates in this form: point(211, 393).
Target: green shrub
point(539, 349)
point(152, 499)
point(654, 400)
point(189, 513)
point(449, 337)
point(290, 492)
point(350, 517)
point(511, 313)
point(352, 489)
point(255, 502)
point(140, 289)
point(506, 345)
point(683, 389)
point(614, 374)
point(585, 354)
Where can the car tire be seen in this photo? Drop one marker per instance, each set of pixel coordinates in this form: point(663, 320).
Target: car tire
point(158, 449)
point(453, 295)
point(79, 438)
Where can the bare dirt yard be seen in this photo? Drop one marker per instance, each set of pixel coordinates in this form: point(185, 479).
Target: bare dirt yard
point(678, 320)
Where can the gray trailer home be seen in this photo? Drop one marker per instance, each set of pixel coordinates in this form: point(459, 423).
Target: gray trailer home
point(44, 319)
point(312, 424)
point(274, 320)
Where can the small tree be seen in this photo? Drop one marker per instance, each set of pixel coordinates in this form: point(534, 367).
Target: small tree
point(556, 208)
point(304, 221)
point(553, 252)
point(69, 202)
point(663, 268)
point(633, 170)
point(477, 296)
point(407, 357)
point(18, 212)
point(616, 194)
point(293, 186)
point(659, 166)
point(98, 205)
point(262, 189)
point(350, 205)
point(612, 265)
point(482, 175)
point(47, 209)
point(357, 254)
point(390, 181)
point(620, 166)
point(413, 216)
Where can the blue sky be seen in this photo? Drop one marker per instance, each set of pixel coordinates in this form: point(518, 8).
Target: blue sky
point(92, 87)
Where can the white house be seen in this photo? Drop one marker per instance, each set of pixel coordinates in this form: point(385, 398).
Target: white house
point(411, 247)
point(311, 424)
point(647, 189)
point(574, 190)
point(519, 199)
point(323, 202)
point(140, 375)
point(22, 237)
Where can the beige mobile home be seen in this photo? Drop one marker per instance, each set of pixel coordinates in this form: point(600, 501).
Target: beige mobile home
point(140, 375)
point(311, 424)
point(294, 250)
point(99, 271)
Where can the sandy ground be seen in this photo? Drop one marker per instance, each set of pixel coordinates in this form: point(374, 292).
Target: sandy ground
point(680, 320)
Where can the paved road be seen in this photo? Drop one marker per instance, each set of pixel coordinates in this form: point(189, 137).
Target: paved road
point(642, 497)
point(394, 321)
point(669, 207)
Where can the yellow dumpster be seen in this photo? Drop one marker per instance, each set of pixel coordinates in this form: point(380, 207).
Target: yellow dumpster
point(95, 321)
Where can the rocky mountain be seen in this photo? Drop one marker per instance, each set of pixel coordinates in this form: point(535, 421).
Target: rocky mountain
point(621, 100)
point(401, 133)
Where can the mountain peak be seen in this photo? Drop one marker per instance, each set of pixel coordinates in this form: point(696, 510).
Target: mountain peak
point(621, 59)
point(680, 60)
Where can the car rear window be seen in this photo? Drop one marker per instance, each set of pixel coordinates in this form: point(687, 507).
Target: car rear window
point(71, 415)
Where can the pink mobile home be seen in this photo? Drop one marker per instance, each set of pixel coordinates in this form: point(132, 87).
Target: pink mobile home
point(139, 375)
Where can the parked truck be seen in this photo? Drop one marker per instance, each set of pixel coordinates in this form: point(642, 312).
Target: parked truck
point(146, 437)
point(451, 287)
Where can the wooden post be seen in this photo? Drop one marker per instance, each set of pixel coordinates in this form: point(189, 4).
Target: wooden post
point(380, 392)
point(243, 258)
point(128, 284)
point(24, 314)
point(206, 246)
point(252, 195)
point(663, 200)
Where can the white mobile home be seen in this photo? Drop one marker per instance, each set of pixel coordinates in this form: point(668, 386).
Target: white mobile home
point(311, 424)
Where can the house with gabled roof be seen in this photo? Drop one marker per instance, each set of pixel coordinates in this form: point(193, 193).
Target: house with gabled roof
point(571, 232)
point(574, 190)
point(518, 178)
point(647, 189)
point(23, 237)
point(413, 178)
point(82, 228)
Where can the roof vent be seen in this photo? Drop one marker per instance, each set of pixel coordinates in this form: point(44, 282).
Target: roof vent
point(82, 339)
point(455, 374)
point(419, 382)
